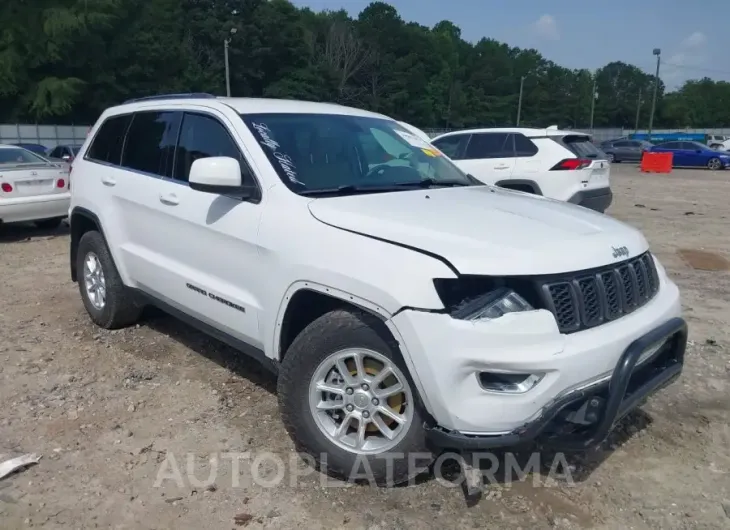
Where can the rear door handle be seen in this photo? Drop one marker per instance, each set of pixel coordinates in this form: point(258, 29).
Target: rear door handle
point(501, 167)
point(170, 199)
point(108, 181)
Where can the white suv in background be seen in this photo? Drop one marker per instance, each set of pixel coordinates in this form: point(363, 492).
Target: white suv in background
point(561, 165)
point(403, 305)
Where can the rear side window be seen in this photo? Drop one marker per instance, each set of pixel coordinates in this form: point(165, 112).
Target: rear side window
point(108, 142)
point(524, 146)
point(490, 145)
point(624, 144)
point(150, 145)
point(203, 136)
point(453, 146)
point(581, 146)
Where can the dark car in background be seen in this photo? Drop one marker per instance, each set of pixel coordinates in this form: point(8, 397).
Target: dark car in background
point(624, 150)
point(33, 148)
point(693, 154)
point(67, 153)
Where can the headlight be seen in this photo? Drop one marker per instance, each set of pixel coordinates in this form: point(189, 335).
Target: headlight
point(491, 305)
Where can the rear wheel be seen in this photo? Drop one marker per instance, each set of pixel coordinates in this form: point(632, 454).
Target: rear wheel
point(347, 401)
point(108, 301)
point(714, 163)
point(48, 224)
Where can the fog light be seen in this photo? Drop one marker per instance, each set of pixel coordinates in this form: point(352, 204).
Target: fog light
point(509, 383)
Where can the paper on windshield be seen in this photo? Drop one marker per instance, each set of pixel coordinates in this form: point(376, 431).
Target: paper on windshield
point(415, 141)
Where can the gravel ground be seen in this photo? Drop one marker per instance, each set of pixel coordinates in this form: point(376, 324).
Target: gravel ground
point(113, 414)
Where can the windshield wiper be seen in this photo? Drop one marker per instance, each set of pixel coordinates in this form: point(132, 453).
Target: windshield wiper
point(352, 189)
point(349, 189)
point(431, 183)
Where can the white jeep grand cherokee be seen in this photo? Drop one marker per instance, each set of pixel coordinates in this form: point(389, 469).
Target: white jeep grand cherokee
point(403, 306)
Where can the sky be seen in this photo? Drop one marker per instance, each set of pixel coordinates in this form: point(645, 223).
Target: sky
point(693, 36)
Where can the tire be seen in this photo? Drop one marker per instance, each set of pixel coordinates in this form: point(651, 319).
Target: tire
point(119, 308)
point(49, 224)
point(344, 330)
point(715, 146)
point(714, 164)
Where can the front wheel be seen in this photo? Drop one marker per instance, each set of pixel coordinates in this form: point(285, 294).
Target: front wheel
point(714, 164)
point(347, 401)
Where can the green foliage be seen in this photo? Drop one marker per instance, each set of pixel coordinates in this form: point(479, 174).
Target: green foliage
point(65, 61)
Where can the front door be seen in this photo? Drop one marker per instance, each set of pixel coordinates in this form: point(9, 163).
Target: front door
point(213, 269)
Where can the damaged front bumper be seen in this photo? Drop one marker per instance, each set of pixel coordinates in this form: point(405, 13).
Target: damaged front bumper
point(582, 417)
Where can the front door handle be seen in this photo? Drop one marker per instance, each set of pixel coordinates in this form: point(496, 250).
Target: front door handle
point(108, 181)
point(170, 199)
point(501, 167)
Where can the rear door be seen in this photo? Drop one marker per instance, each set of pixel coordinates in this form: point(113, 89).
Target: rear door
point(490, 157)
point(137, 188)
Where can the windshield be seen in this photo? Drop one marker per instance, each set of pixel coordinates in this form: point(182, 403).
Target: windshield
point(13, 156)
point(334, 152)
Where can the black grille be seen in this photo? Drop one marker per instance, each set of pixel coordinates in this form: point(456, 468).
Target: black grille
point(593, 297)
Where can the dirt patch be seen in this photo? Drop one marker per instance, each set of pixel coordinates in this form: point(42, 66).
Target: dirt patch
point(703, 260)
point(109, 410)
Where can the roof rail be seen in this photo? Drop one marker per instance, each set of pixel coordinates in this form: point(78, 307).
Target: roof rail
point(189, 95)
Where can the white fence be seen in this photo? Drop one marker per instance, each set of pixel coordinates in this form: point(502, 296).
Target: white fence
point(52, 135)
point(47, 135)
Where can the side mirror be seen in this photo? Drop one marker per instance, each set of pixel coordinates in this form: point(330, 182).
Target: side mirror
point(66, 157)
point(220, 175)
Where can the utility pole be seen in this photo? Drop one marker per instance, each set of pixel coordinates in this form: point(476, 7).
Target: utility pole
point(228, 73)
point(638, 110)
point(594, 96)
point(658, 54)
point(519, 103)
point(226, 42)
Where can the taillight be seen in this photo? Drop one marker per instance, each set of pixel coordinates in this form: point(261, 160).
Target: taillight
point(60, 183)
point(571, 164)
point(7, 188)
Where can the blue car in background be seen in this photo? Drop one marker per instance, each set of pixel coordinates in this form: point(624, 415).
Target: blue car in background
point(35, 148)
point(693, 154)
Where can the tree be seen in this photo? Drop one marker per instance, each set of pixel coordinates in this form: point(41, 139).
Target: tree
point(65, 61)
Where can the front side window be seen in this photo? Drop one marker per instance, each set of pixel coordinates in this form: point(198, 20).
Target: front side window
point(453, 146)
point(333, 152)
point(203, 136)
point(150, 145)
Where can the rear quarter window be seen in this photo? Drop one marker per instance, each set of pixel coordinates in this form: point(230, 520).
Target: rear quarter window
point(581, 146)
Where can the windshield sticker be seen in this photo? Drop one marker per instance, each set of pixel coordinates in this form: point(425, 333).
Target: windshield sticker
point(432, 152)
point(285, 161)
point(413, 140)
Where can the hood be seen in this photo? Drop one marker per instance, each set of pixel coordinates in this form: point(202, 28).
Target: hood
point(485, 230)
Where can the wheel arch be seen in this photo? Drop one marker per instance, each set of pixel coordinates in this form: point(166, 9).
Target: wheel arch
point(81, 221)
point(520, 185)
point(305, 301)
